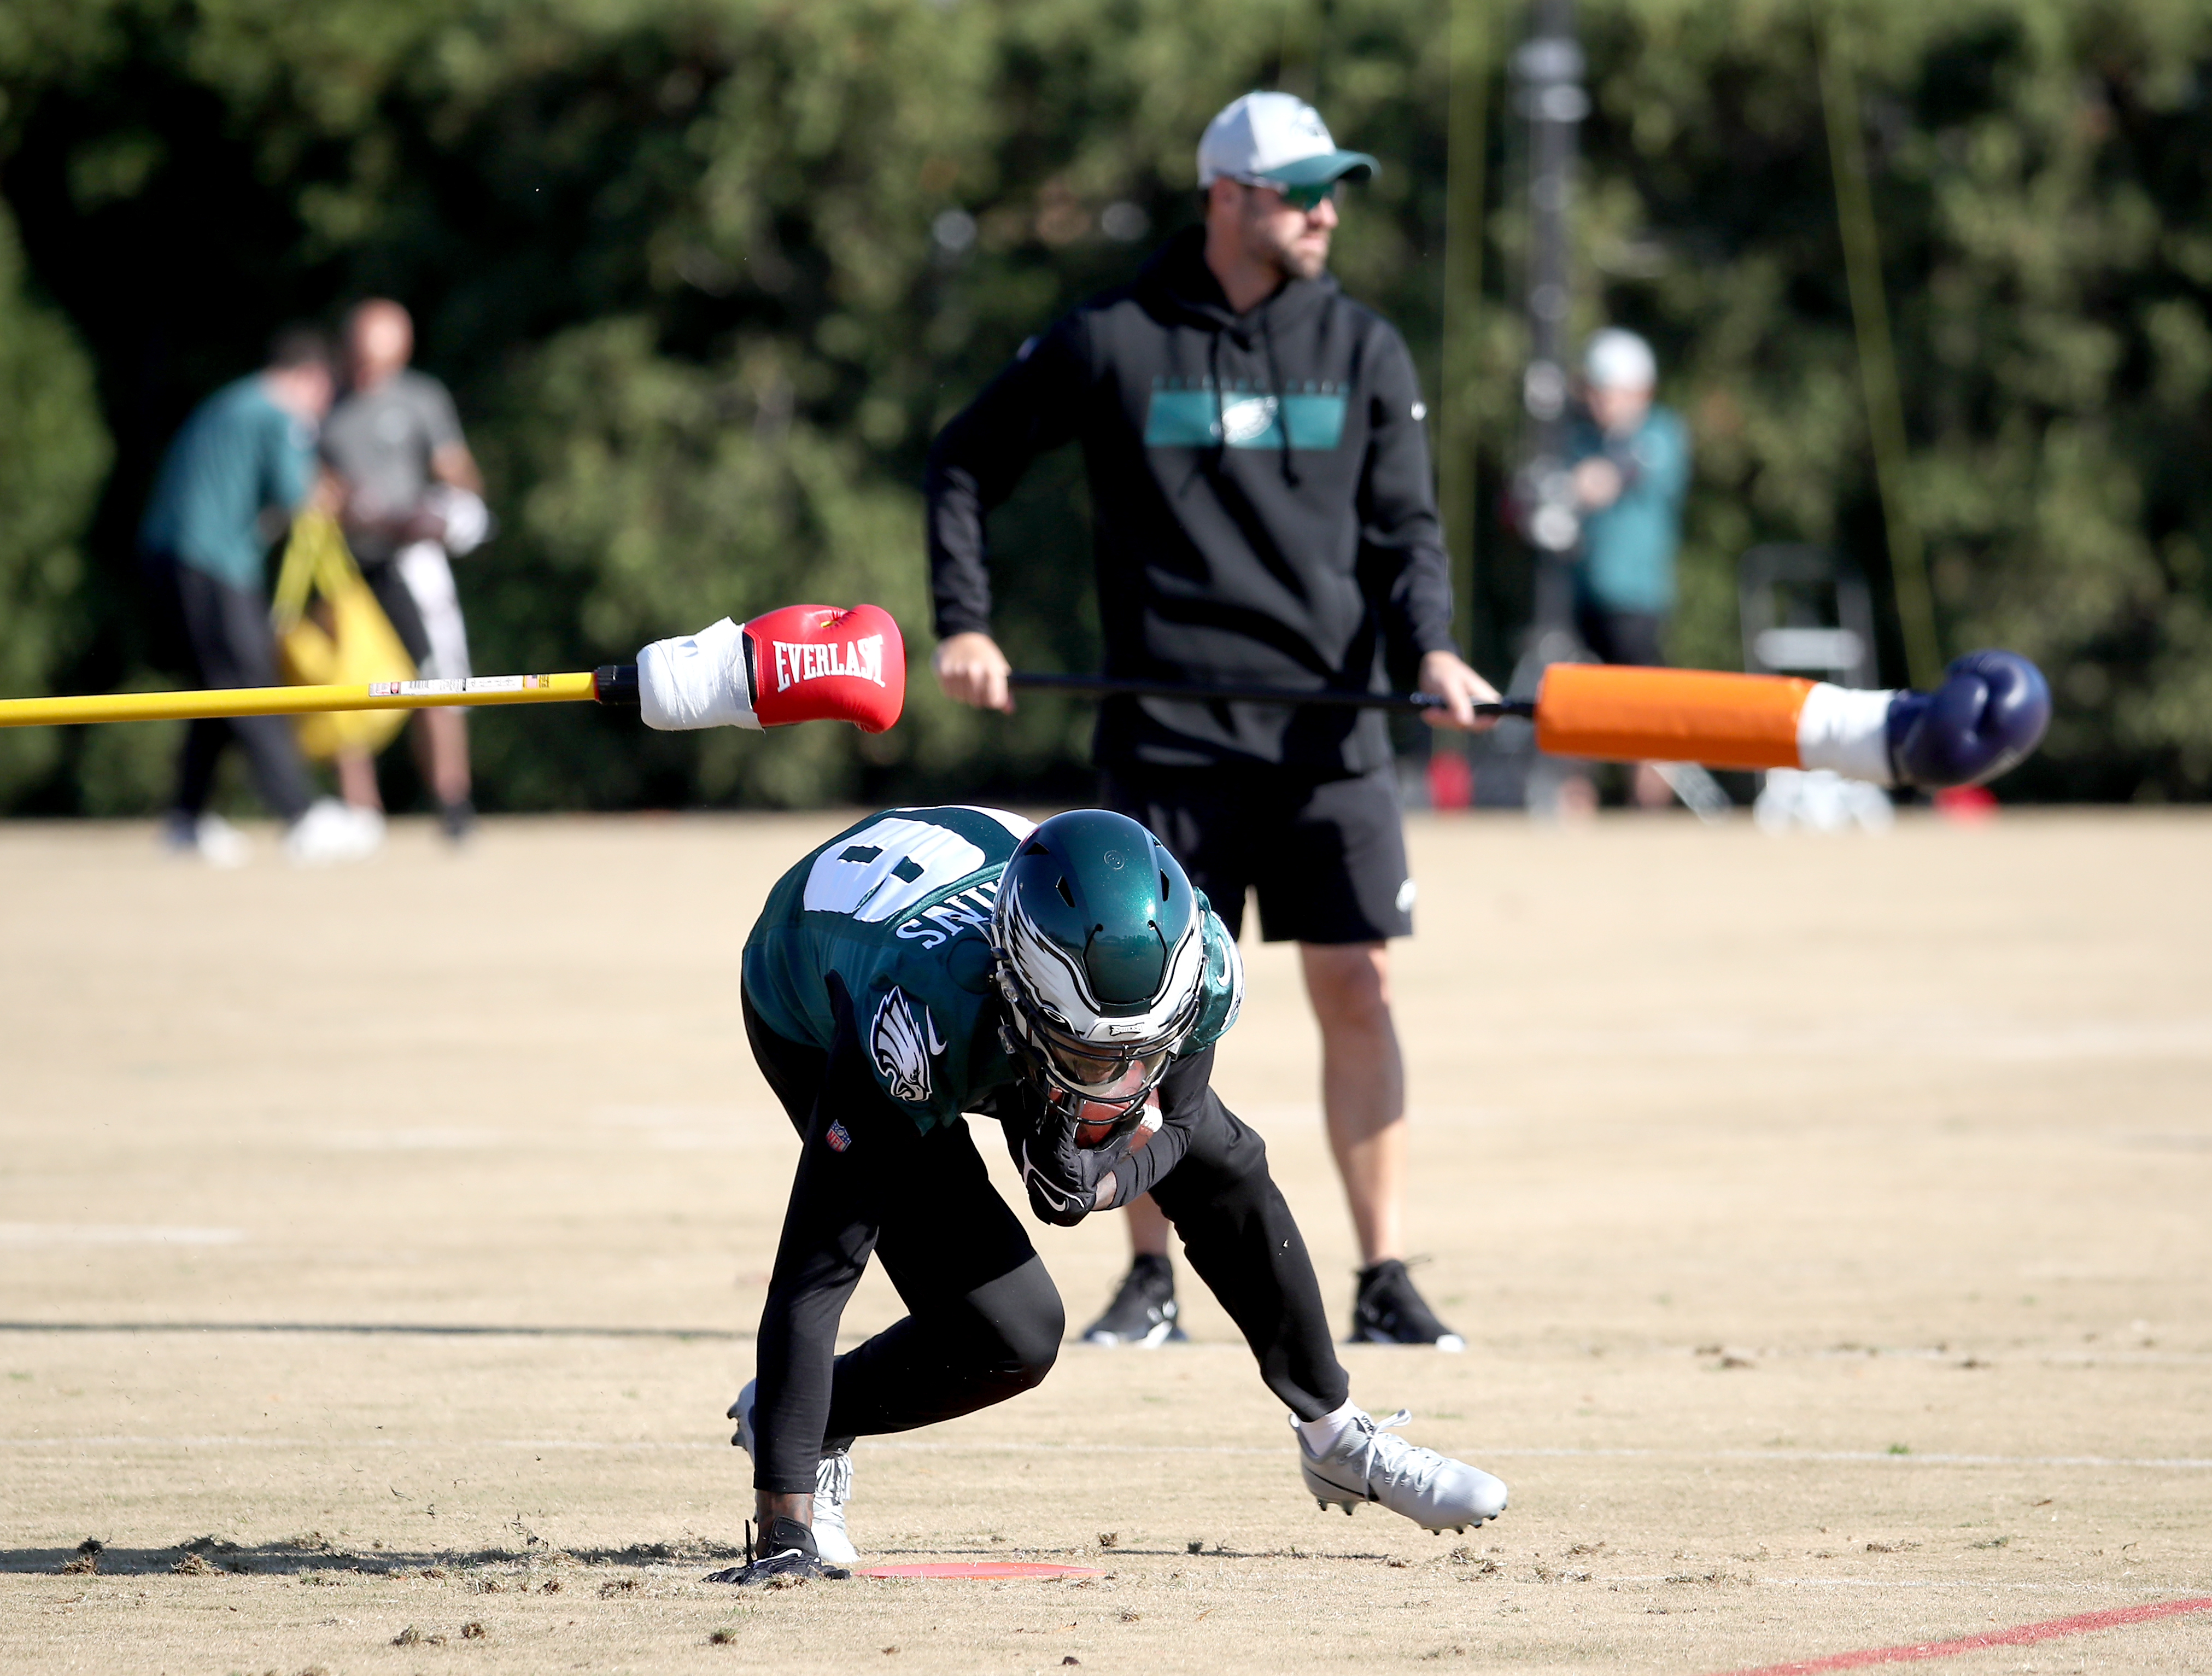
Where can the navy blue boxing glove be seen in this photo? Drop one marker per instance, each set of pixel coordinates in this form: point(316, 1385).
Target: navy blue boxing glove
point(1988, 714)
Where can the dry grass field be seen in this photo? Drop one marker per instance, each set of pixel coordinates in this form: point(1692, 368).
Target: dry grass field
point(1828, 1220)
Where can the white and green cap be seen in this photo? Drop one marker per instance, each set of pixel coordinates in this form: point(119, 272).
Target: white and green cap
point(1276, 138)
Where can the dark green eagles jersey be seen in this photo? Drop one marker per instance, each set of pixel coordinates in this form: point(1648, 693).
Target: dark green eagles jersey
point(897, 909)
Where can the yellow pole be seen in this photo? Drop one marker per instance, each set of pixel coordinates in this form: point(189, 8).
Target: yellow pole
point(296, 700)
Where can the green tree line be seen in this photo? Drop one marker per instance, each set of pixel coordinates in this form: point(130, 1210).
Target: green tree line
point(706, 275)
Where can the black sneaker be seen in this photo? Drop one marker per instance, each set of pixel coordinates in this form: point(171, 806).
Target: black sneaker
point(458, 819)
point(1387, 1310)
point(784, 1555)
point(1143, 1311)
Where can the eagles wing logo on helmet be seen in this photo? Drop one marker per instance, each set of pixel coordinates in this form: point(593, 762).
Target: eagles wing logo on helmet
point(1056, 981)
point(1061, 989)
point(901, 1048)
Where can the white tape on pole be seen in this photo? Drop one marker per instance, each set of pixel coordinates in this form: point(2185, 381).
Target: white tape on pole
point(1846, 729)
point(696, 681)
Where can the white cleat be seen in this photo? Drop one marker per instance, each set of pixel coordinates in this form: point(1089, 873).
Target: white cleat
point(1369, 1463)
point(833, 1486)
point(331, 832)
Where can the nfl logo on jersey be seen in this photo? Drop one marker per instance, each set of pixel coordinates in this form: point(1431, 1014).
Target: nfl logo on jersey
point(839, 1137)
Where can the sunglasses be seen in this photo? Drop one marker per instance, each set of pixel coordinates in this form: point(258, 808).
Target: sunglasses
point(1305, 199)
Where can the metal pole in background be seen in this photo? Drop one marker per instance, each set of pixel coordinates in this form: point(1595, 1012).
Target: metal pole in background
point(1296, 64)
point(1466, 136)
point(1885, 406)
point(1549, 67)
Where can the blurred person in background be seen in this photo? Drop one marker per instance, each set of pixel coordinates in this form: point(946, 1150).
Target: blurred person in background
point(1264, 514)
point(1630, 460)
point(410, 498)
point(243, 463)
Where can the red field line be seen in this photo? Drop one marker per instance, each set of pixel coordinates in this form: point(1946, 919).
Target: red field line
point(2019, 1635)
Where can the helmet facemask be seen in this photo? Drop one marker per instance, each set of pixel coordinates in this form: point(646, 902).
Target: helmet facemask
point(1096, 1058)
point(1083, 1076)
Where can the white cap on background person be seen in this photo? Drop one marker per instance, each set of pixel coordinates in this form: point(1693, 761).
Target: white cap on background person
point(1275, 139)
point(1618, 360)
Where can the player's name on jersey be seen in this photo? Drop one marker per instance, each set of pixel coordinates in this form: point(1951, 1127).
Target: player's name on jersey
point(944, 921)
point(796, 662)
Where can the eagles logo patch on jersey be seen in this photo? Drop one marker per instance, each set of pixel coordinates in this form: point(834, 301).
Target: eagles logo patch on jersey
point(902, 1047)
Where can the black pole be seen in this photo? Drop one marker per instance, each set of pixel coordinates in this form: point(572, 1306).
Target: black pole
point(1113, 686)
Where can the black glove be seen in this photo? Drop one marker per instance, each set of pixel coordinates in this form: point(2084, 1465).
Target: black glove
point(1062, 1178)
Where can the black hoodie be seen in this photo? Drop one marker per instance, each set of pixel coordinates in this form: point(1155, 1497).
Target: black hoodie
point(1262, 504)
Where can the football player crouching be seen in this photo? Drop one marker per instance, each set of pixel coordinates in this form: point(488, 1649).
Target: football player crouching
point(1066, 980)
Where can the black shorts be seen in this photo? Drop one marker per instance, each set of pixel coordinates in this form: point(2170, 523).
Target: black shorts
point(1327, 858)
point(1619, 636)
point(397, 600)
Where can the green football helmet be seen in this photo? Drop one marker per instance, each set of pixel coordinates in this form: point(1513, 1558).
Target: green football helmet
point(1101, 954)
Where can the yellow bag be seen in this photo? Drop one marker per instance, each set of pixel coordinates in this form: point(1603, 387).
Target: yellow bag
point(360, 645)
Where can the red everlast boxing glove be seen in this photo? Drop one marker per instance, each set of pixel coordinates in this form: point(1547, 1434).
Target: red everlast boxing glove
point(822, 663)
point(802, 664)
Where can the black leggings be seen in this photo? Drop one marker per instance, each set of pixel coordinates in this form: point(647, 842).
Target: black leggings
point(222, 636)
point(986, 1320)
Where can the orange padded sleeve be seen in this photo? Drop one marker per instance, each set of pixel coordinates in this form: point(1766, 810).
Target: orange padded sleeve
point(1627, 714)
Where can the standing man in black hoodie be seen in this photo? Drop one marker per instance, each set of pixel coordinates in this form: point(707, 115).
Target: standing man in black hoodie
point(1264, 514)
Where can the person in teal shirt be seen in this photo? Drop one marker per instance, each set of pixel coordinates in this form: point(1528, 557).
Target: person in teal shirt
point(246, 450)
point(1630, 460)
point(246, 454)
